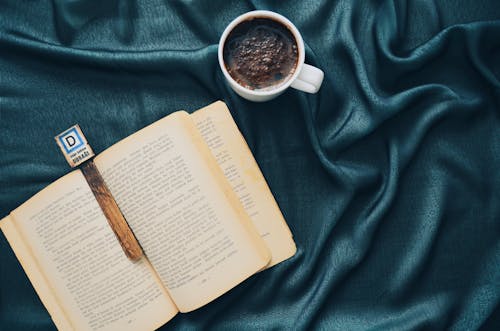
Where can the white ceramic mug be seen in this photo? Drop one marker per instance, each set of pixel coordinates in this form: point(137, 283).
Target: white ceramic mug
point(305, 78)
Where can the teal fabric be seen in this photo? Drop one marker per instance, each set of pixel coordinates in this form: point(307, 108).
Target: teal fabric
point(388, 177)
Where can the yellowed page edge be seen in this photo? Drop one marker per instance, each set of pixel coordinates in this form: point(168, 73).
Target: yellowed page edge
point(269, 219)
point(226, 187)
point(34, 274)
point(216, 172)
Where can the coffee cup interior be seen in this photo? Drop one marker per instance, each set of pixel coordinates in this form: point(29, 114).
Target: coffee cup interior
point(260, 53)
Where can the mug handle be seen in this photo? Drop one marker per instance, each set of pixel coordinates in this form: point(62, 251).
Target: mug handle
point(309, 79)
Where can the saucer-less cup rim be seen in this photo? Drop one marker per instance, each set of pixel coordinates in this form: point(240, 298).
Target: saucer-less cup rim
point(277, 17)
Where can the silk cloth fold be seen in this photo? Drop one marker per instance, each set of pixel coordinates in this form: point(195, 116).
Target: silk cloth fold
point(388, 177)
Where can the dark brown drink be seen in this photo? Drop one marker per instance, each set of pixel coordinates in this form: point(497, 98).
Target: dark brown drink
point(260, 53)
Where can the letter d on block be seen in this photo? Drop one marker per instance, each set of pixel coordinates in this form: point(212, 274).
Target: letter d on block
point(70, 141)
point(74, 146)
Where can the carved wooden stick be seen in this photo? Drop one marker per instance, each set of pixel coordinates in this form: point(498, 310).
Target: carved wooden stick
point(111, 211)
point(77, 151)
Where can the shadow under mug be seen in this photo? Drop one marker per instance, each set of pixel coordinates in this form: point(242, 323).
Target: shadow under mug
point(305, 78)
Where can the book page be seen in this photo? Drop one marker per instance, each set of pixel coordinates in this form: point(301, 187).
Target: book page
point(98, 288)
point(34, 274)
point(226, 143)
point(177, 205)
point(180, 210)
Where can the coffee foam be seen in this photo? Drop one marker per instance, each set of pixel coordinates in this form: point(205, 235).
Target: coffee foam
point(260, 54)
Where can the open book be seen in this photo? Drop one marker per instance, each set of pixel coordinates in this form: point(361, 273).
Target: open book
point(197, 203)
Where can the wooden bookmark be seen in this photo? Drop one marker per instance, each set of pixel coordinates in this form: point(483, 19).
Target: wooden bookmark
point(76, 150)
